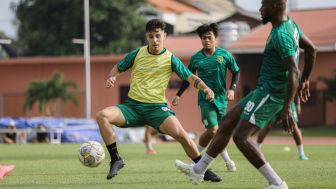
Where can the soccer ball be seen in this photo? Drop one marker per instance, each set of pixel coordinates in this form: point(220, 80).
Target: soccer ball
point(91, 154)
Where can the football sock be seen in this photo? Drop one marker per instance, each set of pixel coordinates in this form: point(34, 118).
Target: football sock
point(270, 174)
point(300, 150)
point(113, 151)
point(149, 146)
point(202, 165)
point(200, 148)
point(224, 154)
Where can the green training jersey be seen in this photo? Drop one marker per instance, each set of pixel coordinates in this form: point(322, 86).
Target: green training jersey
point(212, 70)
point(282, 42)
point(150, 73)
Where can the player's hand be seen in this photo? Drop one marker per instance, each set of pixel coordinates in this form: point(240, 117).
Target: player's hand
point(210, 95)
point(303, 91)
point(286, 120)
point(230, 94)
point(176, 101)
point(110, 82)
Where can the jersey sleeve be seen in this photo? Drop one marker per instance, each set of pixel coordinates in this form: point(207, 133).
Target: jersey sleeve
point(232, 64)
point(285, 45)
point(128, 61)
point(192, 66)
point(299, 29)
point(179, 68)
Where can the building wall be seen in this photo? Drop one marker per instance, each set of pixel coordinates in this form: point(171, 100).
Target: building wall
point(325, 67)
point(16, 74)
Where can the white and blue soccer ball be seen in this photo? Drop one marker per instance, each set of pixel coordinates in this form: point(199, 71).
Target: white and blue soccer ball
point(91, 154)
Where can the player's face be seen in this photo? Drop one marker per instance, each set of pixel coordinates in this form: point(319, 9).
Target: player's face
point(265, 11)
point(208, 40)
point(155, 40)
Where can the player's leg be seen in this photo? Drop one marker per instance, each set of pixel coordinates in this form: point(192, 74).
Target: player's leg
point(218, 143)
point(263, 133)
point(258, 112)
point(172, 127)
point(220, 140)
point(206, 137)
point(245, 144)
point(211, 116)
point(210, 123)
point(297, 135)
point(105, 119)
point(149, 132)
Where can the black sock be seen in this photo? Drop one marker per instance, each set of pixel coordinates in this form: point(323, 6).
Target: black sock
point(197, 159)
point(113, 151)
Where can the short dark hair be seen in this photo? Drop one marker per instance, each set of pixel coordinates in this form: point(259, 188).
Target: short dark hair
point(154, 24)
point(213, 27)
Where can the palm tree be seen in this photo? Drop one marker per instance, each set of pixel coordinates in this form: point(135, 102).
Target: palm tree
point(45, 94)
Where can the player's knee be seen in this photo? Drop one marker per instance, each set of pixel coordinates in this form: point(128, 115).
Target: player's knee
point(101, 117)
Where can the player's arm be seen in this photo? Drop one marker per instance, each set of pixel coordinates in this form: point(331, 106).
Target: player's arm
point(184, 86)
point(234, 69)
point(200, 85)
point(285, 118)
point(309, 60)
point(114, 73)
point(230, 93)
point(185, 74)
point(120, 67)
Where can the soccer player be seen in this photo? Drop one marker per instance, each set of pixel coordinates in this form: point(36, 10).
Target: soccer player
point(211, 64)
point(5, 170)
point(276, 87)
point(151, 67)
point(297, 135)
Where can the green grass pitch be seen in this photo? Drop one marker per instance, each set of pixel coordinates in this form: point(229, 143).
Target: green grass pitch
point(43, 166)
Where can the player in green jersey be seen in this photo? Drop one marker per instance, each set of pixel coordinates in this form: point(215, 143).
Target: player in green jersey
point(277, 85)
point(297, 135)
point(151, 67)
point(211, 64)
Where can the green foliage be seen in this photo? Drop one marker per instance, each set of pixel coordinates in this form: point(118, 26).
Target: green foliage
point(330, 92)
point(3, 35)
point(48, 27)
point(44, 93)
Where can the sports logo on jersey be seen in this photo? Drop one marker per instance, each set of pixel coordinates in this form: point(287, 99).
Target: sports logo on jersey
point(220, 59)
point(165, 109)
